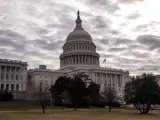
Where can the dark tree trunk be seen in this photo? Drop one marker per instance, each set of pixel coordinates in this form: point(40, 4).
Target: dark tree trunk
point(109, 108)
point(43, 110)
point(137, 106)
point(75, 107)
point(147, 109)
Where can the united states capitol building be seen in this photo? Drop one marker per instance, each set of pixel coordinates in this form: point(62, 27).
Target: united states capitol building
point(79, 55)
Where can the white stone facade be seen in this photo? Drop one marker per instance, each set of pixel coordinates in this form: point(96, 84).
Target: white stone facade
point(13, 75)
point(46, 76)
point(79, 55)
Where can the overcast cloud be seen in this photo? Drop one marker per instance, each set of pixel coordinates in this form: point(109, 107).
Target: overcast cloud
point(126, 32)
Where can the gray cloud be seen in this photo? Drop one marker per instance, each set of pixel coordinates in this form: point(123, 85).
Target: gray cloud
point(100, 22)
point(151, 41)
point(35, 31)
point(134, 15)
point(130, 1)
point(116, 49)
point(104, 4)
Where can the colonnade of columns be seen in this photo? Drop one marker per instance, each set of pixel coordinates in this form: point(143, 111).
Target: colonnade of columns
point(11, 77)
point(108, 79)
point(79, 59)
point(10, 86)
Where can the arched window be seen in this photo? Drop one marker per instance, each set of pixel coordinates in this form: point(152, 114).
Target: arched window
point(11, 76)
point(1, 76)
point(17, 87)
point(2, 86)
point(12, 87)
point(21, 77)
point(7, 77)
point(16, 77)
point(7, 87)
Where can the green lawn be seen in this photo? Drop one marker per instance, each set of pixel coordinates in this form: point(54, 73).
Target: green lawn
point(81, 114)
point(18, 105)
point(25, 110)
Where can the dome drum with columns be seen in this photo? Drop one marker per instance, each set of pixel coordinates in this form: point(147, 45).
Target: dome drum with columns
point(79, 48)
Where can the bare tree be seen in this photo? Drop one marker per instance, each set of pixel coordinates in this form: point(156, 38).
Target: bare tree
point(42, 96)
point(110, 96)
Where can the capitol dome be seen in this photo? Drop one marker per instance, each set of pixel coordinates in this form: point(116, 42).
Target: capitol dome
point(79, 34)
point(79, 49)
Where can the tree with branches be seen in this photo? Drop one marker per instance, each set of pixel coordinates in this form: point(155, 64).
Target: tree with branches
point(110, 96)
point(143, 91)
point(42, 96)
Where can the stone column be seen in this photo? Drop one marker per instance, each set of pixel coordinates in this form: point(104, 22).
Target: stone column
point(78, 59)
point(98, 62)
point(0, 72)
point(5, 67)
point(91, 59)
point(102, 79)
point(65, 60)
point(106, 79)
point(109, 80)
point(73, 59)
point(69, 60)
point(10, 73)
point(121, 80)
point(85, 59)
point(94, 60)
point(116, 80)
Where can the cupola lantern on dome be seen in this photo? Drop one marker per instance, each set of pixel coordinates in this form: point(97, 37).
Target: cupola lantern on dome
point(78, 33)
point(78, 21)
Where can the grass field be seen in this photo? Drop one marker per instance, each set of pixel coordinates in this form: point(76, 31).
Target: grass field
point(81, 114)
point(18, 105)
point(25, 110)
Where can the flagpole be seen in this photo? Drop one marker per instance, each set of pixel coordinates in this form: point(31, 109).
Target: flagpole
point(104, 61)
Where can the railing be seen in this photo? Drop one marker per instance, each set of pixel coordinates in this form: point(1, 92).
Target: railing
point(12, 61)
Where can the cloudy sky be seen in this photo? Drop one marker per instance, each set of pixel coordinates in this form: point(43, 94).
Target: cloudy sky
point(125, 31)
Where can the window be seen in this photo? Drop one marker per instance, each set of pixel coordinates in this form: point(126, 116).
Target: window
point(12, 87)
point(2, 86)
point(21, 77)
point(7, 87)
point(2, 77)
point(7, 77)
point(17, 87)
point(11, 76)
point(16, 77)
